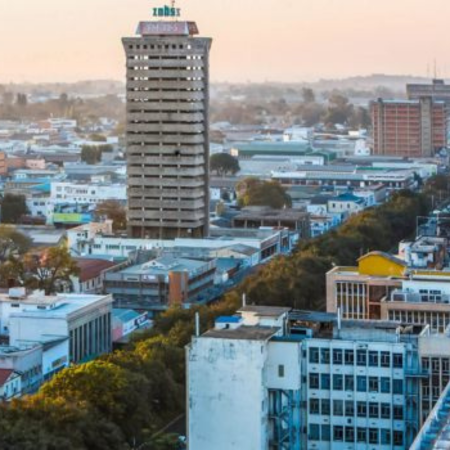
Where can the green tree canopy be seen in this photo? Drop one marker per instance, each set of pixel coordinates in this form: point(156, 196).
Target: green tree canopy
point(48, 270)
point(13, 208)
point(255, 192)
point(224, 164)
point(12, 243)
point(115, 211)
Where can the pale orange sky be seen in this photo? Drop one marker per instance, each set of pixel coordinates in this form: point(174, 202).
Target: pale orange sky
point(285, 40)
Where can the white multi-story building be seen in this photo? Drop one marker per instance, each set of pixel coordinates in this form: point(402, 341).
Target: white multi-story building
point(64, 192)
point(79, 323)
point(92, 240)
point(271, 379)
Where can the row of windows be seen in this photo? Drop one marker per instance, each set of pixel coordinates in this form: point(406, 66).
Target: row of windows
point(349, 408)
point(341, 382)
point(360, 357)
point(350, 434)
point(153, 47)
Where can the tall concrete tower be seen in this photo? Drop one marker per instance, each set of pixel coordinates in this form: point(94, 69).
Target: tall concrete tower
point(167, 128)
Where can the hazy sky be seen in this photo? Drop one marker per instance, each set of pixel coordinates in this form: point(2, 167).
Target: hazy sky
point(286, 40)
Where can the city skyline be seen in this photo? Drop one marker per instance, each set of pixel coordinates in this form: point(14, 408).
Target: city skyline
point(253, 41)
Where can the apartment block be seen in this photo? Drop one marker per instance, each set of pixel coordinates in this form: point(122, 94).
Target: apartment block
point(168, 131)
point(275, 378)
point(409, 128)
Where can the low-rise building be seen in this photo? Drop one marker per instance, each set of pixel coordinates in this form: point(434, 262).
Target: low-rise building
point(385, 287)
point(161, 283)
point(10, 384)
point(25, 359)
point(91, 275)
point(64, 192)
point(128, 321)
point(346, 204)
point(347, 177)
point(257, 217)
point(96, 240)
point(50, 321)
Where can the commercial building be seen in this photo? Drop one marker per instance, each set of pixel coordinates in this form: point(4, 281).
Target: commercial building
point(168, 131)
point(411, 128)
point(271, 378)
point(385, 287)
point(49, 320)
point(160, 283)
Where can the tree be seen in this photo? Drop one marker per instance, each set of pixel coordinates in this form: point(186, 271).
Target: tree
point(13, 207)
point(12, 243)
point(255, 192)
point(8, 98)
point(223, 164)
point(22, 100)
point(308, 95)
point(90, 154)
point(115, 211)
point(49, 270)
point(97, 138)
point(311, 114)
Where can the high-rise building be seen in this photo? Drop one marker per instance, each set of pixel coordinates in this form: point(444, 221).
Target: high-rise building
point(409, 128)
point(167, 129)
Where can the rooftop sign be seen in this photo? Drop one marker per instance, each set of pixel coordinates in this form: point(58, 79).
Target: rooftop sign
point(167, 28)
point(166, 11)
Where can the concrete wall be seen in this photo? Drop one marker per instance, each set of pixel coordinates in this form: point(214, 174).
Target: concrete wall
point(227, 401)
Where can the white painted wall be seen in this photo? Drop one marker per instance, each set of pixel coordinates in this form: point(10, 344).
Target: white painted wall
point(227, 401)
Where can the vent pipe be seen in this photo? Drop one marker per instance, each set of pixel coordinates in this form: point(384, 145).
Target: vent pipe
point(197, 324)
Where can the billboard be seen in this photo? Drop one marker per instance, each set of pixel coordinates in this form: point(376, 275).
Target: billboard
point(72, 218)
point(167, 29)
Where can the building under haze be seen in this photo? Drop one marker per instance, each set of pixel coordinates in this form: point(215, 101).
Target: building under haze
point(409, 128)
point(167, 131)
point(437, 90)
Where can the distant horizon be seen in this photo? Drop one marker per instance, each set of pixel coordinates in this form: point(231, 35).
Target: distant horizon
point(268, 81)
point(275, 40)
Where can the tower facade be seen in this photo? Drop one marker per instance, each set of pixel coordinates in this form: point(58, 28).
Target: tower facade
point(167, 130)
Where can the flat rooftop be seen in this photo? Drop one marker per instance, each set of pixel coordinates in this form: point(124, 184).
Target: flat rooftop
point(56, 306)
point(253, 333)
point(162, 266)
point(265, 311)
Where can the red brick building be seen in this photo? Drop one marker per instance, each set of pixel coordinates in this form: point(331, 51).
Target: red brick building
point(3, 168)
point(414, 128)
